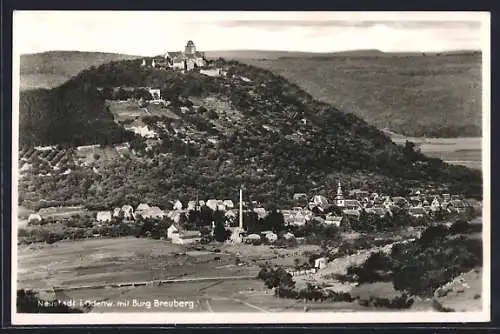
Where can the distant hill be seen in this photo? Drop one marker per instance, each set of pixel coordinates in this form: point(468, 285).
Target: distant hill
point(431, 95)
point(250, 127)
point(52, 68)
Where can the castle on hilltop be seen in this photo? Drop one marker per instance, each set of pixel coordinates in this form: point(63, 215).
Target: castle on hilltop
point(184, 60)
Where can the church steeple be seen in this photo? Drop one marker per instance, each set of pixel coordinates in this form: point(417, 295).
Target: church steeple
point(340, 196)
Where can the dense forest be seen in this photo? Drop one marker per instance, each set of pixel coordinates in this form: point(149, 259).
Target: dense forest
point(69, 115)
point(311, 147)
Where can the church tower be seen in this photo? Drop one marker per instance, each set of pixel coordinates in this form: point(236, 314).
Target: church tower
point(339, 199)
point(190, 48)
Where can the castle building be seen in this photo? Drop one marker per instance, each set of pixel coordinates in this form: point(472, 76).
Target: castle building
point(183, 60)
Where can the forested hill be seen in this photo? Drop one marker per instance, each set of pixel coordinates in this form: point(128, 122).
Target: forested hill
point(250, 127)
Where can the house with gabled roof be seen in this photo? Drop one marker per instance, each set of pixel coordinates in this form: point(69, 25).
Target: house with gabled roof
point(351, 213)
point(228, 204)
point(417, 212)
point(103, 216)
point(212, 204)
point(177, 205)
point(334, 220)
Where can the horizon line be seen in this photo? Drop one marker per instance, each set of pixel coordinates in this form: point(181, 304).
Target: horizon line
point(265, 50)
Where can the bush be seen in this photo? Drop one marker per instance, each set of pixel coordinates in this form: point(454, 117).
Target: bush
point(276, 278)
point(433, 233)
point(398, 302)
point(378, 267)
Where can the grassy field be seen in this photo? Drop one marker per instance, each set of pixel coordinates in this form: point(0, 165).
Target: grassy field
point(68, 264)
point(98, 261)
point(414, 95)
point(106, 260)
point(129, 110)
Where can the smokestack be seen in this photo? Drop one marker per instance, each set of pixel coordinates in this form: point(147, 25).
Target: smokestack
point(241, 208)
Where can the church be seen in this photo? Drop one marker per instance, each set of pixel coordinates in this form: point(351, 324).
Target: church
point(183, 60)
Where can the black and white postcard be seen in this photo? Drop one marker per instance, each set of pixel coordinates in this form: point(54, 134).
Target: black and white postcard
point(250, 167)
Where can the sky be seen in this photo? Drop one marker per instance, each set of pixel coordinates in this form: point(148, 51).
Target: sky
point(151, 33)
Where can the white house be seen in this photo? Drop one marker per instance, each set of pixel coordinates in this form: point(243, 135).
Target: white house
point(177, 205)
point(228, 204)
point(34, 218)
point(352, 204)
point(116, 212)
point(320, 200)
point(333, 220)
point(191, 205)
point(320, 263)
point(261, 212)
point(128, 211)
point(142, 207)
point(155, 93)
point(435, 204)
point(103, 216)
point(152, 212)
point(212, 204)
point(352, 213)
point(417, 212)
point(270, 235)
point(299, 196)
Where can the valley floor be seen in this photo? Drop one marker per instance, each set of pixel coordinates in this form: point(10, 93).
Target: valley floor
point(212, 278)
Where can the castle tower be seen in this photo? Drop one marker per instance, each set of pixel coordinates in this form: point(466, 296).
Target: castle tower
point(339, 199)
point(190, 48)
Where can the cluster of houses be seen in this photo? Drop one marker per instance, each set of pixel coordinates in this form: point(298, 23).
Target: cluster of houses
point(417, 205)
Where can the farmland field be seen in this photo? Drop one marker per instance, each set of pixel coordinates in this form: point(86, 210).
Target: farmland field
point(127, 110)
point(99, 261)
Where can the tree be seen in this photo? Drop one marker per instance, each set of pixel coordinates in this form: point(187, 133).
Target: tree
point(211, 114)
point(220, 232)
point(274, 221)
point(276, 278)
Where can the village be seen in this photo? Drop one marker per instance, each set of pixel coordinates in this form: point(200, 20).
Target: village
point(315, 209)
